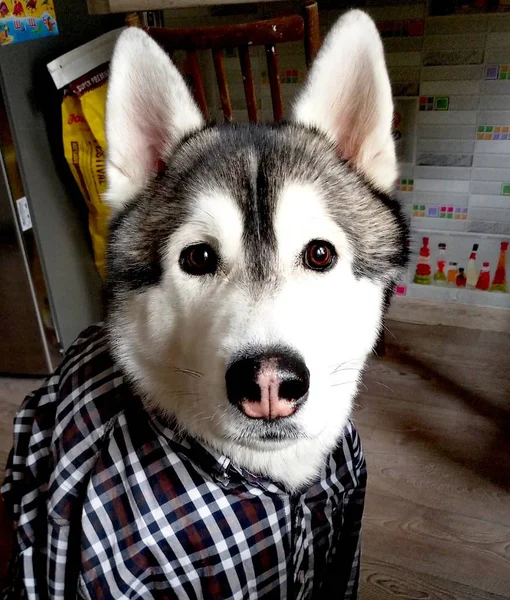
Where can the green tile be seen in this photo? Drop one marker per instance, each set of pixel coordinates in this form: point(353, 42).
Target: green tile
point(416, 207)
point(488, 128)
point(441, 103)
point(410, 182)
point(422, 207)
point(505, 189)
point(442, 215)
point(481, 129)
point(449, 216)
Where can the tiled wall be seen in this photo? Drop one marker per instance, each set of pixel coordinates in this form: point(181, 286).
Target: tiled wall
point(451, 82)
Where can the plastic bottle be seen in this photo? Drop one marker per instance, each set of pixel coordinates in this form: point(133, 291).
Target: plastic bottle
point(499, 283)
point(453, 271)
point(461, 278)
point(440, 275)
point(423, 270)
point(471, 271)
point(484, 279)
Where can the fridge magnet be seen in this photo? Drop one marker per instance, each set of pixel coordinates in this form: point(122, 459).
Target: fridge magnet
point(22, 20)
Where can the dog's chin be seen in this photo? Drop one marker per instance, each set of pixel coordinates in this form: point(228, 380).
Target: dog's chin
point(265, 435)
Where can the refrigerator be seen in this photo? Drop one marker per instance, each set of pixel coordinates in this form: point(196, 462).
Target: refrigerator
point(49, 287)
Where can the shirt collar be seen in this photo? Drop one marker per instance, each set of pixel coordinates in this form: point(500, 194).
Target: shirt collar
point(218, 465)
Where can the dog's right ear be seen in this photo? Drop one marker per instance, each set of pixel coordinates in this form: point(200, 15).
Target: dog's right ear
point(148, 110)
point(348, 98)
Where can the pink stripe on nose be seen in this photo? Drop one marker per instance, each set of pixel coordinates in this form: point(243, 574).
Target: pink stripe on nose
point(270, 406)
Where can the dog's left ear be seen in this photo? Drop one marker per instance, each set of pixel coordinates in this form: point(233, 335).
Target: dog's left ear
point(149, 109)
point(348, 97)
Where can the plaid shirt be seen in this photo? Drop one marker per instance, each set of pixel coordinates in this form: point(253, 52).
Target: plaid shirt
point(110, 502)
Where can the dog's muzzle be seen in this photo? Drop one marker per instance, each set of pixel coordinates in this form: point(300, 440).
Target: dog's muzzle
point(268, 385)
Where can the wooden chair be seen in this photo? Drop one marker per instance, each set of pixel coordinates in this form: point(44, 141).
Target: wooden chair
point(268, 33)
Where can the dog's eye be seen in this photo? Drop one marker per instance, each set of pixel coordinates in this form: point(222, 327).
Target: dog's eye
point(319, 256)
point(199, 259)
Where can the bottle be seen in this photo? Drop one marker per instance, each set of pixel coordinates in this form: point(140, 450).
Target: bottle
point(440, 275)
point(423, 270)
point(461, 278)
point(484, 279)
point(471, 271)
point(452, 273)
point(499, 283)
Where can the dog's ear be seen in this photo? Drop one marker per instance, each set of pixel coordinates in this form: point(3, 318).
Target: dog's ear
point(348, 97)
point(148, 110)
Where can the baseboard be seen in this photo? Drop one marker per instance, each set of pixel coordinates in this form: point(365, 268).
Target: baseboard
point(428, 312)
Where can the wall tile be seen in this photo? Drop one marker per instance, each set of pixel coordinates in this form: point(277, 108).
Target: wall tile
point(457, 173)
point(496, 117)
point(464, 102)
point(440, 185)
point(493, 102)
point(403, 44)
point(489, 214)
point(447, 132)
point(451, 73)
point(403, 59)
point(492, 88)
point(491, 174)
point(481, 201)
point(451, 42)
point(449, 117)
point(455, 24)
point(450, 88)
point(464, 56)
point(485, 187)
point(426, 223)
point(444, 160)
point(495, 161)
point(492, 147)
point(440, 199)
point(498, 40)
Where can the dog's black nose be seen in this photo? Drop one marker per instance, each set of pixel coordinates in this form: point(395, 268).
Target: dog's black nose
point(268, 385)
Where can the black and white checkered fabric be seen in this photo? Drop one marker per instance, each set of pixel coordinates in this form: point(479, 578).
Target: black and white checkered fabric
point(110, 502)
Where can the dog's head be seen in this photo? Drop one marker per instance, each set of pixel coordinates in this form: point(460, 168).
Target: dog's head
point(248, 278)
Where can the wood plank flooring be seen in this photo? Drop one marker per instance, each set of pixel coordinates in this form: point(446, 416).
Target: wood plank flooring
point(434, 417)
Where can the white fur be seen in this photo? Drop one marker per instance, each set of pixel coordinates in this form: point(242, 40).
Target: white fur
point(201, 323)
point(348, 97)
point(148, 109)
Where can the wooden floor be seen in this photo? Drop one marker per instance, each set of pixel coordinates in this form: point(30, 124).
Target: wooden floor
point(435, 423)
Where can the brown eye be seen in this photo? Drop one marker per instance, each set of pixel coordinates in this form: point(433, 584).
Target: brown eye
point(199, 259)
point(319, 256)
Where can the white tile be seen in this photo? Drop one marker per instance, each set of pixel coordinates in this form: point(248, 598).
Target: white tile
point(455, 146)
point(494, 117)
point(402, 44)
point(455, 24)
point(499, 22)
point(489, 214)
point(498, 40)
point(486, 201)
point(451, 73)
point(464, 102)
point(495, 161)
point(494, 102)
point(484, 188)
point(447, 88)
point(452, 42)
point(403, 59)
point(447, 132)
point(497, 56)
point(492, 147)
point(496, 88)
point(448, 117)
point(438, 224)
point(407, 74)
point(491, 174)
point(458, 173)
point(441, 199)
point(406, 172)
point(440, 185)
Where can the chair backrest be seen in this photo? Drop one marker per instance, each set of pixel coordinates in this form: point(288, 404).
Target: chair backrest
point(266, 33)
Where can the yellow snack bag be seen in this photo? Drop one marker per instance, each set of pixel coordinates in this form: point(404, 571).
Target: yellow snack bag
point(83, 73)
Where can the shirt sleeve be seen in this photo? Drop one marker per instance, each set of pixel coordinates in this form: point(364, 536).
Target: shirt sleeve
point(25, 484)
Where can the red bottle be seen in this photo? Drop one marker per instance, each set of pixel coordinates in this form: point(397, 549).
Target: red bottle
point(461, 278)
point(423, 270)
point(484, 279)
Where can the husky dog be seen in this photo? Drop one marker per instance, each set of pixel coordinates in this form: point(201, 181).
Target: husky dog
point(248, 278)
